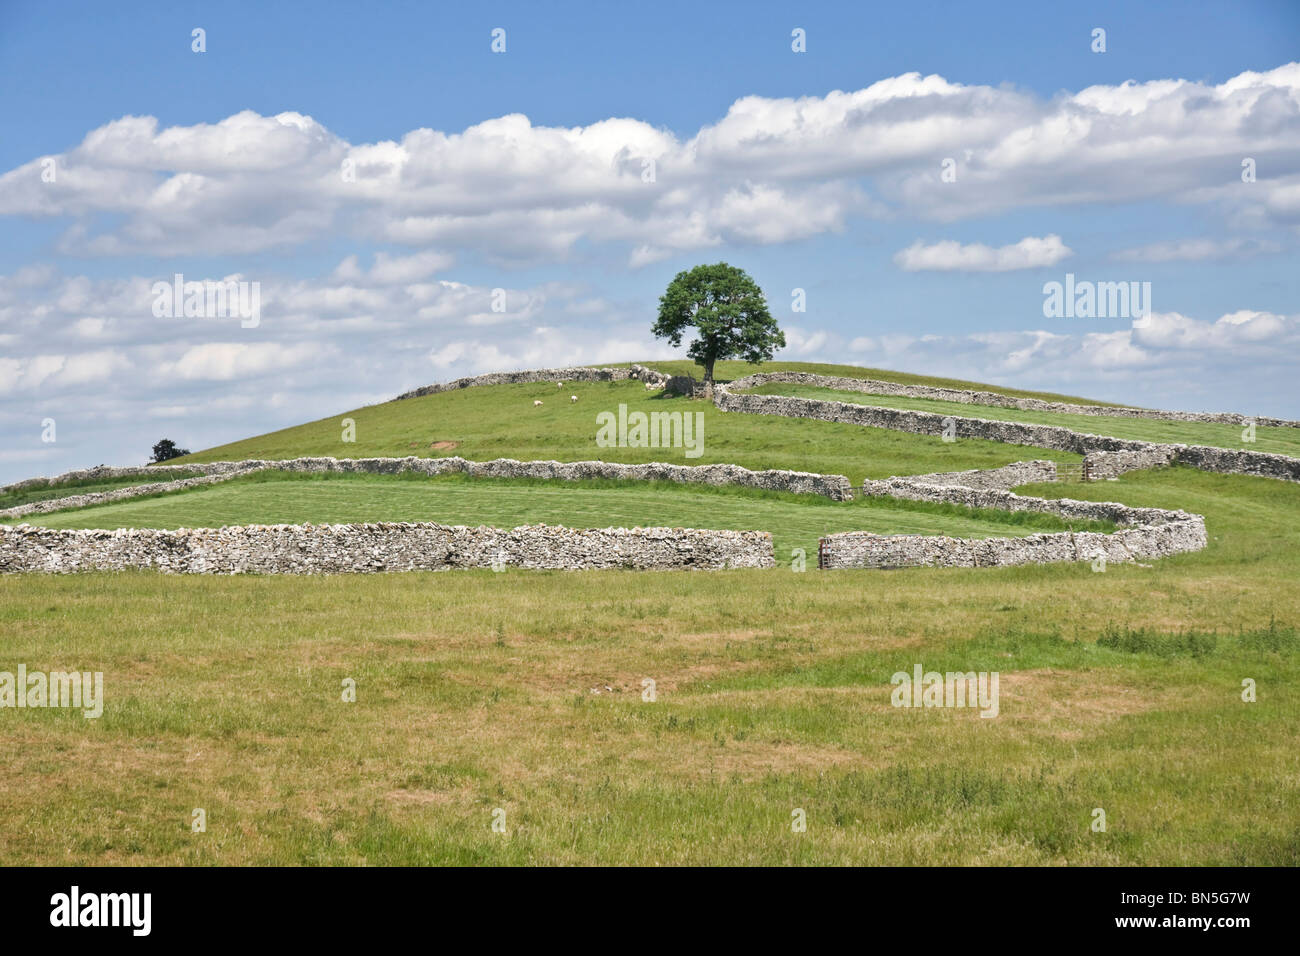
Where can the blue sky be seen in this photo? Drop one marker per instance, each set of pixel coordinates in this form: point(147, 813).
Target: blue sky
point(1060, 167)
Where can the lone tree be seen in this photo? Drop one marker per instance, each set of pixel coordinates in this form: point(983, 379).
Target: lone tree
point(727, 307)
point(166, 449)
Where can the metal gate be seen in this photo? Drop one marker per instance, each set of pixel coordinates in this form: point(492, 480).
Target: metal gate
point(1071, 472)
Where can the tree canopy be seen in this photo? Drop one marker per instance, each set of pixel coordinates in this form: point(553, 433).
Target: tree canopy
point(728, 310)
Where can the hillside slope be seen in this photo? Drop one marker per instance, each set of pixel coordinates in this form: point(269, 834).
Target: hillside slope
point(501, 421)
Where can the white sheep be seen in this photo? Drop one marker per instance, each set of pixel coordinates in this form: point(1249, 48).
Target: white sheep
point(537, 402)
point(573, 398)
point(559, 385)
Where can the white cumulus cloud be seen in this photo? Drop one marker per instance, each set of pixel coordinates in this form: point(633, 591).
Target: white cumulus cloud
point(951, 256)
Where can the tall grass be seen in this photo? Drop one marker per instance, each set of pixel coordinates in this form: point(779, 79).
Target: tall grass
point(522, 692)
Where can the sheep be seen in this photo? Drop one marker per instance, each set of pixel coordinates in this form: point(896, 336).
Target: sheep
point(559, 385)
point(573, 398)
point(537, 402)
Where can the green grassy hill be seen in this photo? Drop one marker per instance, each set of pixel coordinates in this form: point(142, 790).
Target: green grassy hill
point(500, 421)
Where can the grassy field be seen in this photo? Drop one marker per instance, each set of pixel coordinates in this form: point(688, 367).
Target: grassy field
point(481, 691)
point(521, 692)
point(796, 521)
point(1281, 441)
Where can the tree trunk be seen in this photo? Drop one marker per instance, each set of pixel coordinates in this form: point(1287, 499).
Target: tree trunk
point(708, 379)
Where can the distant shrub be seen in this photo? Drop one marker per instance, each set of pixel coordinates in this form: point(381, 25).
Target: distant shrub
point(165, 450)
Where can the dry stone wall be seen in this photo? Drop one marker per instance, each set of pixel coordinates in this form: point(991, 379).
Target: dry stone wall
point(417, 546)
point(579, 374)
point(682, 385)
point(1204, 457)
point(1112, 464)
point(972, 397)
point(1006, 477)
point(862, 549)
point(103, 472)
point(836, 487)
point(1145, 533)
point(1236, 461)
point(1068, 508)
